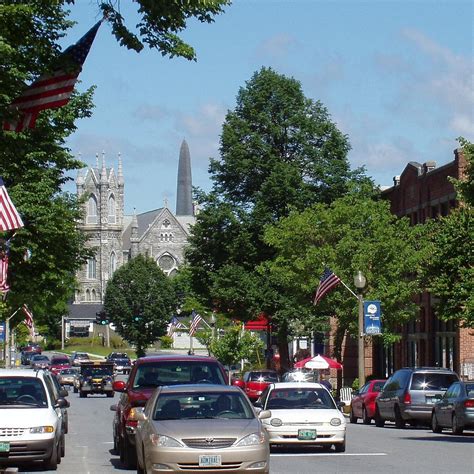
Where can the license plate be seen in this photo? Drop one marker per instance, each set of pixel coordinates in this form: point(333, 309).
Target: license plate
point(4, 447)
point(210, 461)
point(306, 434)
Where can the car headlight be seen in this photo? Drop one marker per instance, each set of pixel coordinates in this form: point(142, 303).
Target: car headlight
point(253, 439)
point(164, 441)
point(335, 421)
point(42, 429)
point(276, 422)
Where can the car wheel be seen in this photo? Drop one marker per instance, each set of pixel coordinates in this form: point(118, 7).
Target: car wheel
point(141, 469)
point(435, 427)
point(63, 446)
point(110, 394)
point(129, 455)
point(352, 417)
point(399, 421)
point(82, 395)
point(456, 426)
point(365, 417)
point(51, 464)
point(379, 421)
point(340, 447)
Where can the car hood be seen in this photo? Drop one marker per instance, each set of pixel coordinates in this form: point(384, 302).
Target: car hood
point(306, 415)
point(20, 417)
point(207, 428)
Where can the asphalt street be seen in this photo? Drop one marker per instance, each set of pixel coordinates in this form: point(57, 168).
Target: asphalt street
point(369, 449)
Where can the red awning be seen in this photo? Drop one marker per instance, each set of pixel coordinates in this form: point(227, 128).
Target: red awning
point(260, 324)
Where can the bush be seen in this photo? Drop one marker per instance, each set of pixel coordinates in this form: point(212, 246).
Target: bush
point(52, 344)
point(166, 342)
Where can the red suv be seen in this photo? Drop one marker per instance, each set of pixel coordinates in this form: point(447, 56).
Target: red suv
point(257, 381)
point(148, 373)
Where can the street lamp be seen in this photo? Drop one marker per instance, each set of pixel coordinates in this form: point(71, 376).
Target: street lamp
point(359, 282)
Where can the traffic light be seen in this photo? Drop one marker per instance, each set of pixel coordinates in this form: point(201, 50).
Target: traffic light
point(101, 318)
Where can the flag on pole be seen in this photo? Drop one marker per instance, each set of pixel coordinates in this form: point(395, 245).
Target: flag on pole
point(52, 90)
point(28, 321)
point(194, 323)
point(4, 256)
point(175, 324)
point(327, 282)
point(9, 217)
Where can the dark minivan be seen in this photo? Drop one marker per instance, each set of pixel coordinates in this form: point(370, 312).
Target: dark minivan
point(410, 394)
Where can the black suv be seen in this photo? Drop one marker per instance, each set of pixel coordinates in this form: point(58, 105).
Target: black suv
point(410, 393)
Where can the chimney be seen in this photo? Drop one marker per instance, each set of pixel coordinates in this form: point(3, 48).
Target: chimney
point(396, 180)
point(429, 166)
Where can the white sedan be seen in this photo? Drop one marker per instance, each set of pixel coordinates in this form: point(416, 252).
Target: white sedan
point(303, 413)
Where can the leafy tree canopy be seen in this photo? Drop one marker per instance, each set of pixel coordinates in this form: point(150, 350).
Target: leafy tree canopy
point(140, 301)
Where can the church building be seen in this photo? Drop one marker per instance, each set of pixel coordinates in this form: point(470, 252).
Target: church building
point(117, 237)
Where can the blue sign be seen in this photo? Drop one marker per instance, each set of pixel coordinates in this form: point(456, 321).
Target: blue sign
point(372, 322)
point(2, 332)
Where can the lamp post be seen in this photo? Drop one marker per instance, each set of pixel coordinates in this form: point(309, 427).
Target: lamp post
point(359, 282)
point(213, 321)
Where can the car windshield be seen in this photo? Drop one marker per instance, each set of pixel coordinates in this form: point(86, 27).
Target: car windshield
point(39, 358)
point(293, 398)
point(22, 392)
point(427, 381)
point(96, 371)
point(177, 373)
point(118, 355)
point(263, 377)
point(202, 405)
point(60, 360)
point(81, 356)
point(68, 372)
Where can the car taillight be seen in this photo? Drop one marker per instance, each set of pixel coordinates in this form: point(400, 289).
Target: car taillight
point(407, 399)
point(131, 419)
point(469, 404)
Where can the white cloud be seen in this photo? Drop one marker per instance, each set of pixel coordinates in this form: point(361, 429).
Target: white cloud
point(277, 47)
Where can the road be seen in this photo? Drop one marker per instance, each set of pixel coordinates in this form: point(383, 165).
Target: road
point(369, 449)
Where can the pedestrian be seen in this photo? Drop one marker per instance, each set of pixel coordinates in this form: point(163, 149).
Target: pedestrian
point(324, 382)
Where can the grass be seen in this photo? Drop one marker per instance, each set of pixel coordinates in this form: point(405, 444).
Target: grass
point(98, 350)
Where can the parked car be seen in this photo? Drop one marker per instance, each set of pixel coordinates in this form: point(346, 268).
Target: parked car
point(67, 376)
point(122, 363)
point(214, 428)
point(32, 347)
point(363, 401)
point(455, 410)
point(303, 413)
point(78, 357)
point(32, 413)
point(410, 393)
point(39, 361)
point(59, 392)
point(148, 373)
point(58, 363)
point(256, 381)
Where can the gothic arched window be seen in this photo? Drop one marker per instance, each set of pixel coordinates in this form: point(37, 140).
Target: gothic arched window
point(93, 296)
point(92, 210)
point(112, 209)
point(166, 262)
point(91, 269)
point(112, 264)
point(88, 295)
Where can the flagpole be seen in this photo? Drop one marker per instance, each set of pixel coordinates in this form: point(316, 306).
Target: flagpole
point(349, 289)
point(7, 340)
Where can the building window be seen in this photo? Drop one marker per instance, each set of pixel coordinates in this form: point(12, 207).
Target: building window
point(113, 264)
point(92, 210)
point(88, 295)
point(166, 224)
point(93, 296)
point(166, 262)
point(166, 237)
point(111, 210)
point(91, 269)
point(444, 351)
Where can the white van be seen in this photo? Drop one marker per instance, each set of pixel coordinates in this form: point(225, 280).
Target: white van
point(30, 419)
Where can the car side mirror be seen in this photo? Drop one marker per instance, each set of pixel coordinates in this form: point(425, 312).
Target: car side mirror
point(63, 393)
point(264, 414)
point(119, 386)
point(61, 403)
point(341, 405)
point(113, 407)
point(258, 404)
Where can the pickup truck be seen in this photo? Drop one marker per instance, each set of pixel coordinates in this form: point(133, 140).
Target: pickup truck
point(95, 377)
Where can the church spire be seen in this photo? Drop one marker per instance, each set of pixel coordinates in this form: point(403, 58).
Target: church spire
point(184, 202)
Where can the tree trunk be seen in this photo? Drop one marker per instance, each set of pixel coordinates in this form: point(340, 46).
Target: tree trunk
point(283, 351)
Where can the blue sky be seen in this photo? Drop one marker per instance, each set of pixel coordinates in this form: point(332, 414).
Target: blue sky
point(396, 77)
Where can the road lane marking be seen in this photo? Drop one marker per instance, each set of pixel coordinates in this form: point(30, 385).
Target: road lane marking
point(324, 454)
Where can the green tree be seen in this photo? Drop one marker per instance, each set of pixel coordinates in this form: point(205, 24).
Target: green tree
point(353, 233)
point(279, 151)
point(140, 301)
point(236, 345)
point(465, 186)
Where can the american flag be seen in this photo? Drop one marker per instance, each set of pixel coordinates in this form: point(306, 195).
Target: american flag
point(327, 282)
point(4, 255)
point(52, 90)
point(175, 324)
point(9, 217)
point(194, 323)
point(28, 321)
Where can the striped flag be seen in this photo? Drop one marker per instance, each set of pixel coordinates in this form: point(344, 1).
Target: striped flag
point(4, 255)
point(52, 90)
point(194, 323)
point(9, 217)
point(327, 282)
point(28, 321)
point(175, 324)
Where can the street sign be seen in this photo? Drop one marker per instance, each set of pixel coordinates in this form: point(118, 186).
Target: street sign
point(372, 322)
point(2, 332)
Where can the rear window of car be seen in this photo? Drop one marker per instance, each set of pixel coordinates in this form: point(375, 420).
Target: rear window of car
point(60, 360)
point(22, 392)
point(294, 398)
point(427, 381)
point(470, 389)
point(177, 373)
point(263, 377)
point(377, 387)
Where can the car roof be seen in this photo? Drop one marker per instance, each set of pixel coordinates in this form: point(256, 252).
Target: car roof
point(297, 385)
point(198, 388)
point(428, 369)
point(21, 373)
point(174, 357)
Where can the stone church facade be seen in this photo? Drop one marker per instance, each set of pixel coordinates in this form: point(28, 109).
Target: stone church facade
point(117, 237)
